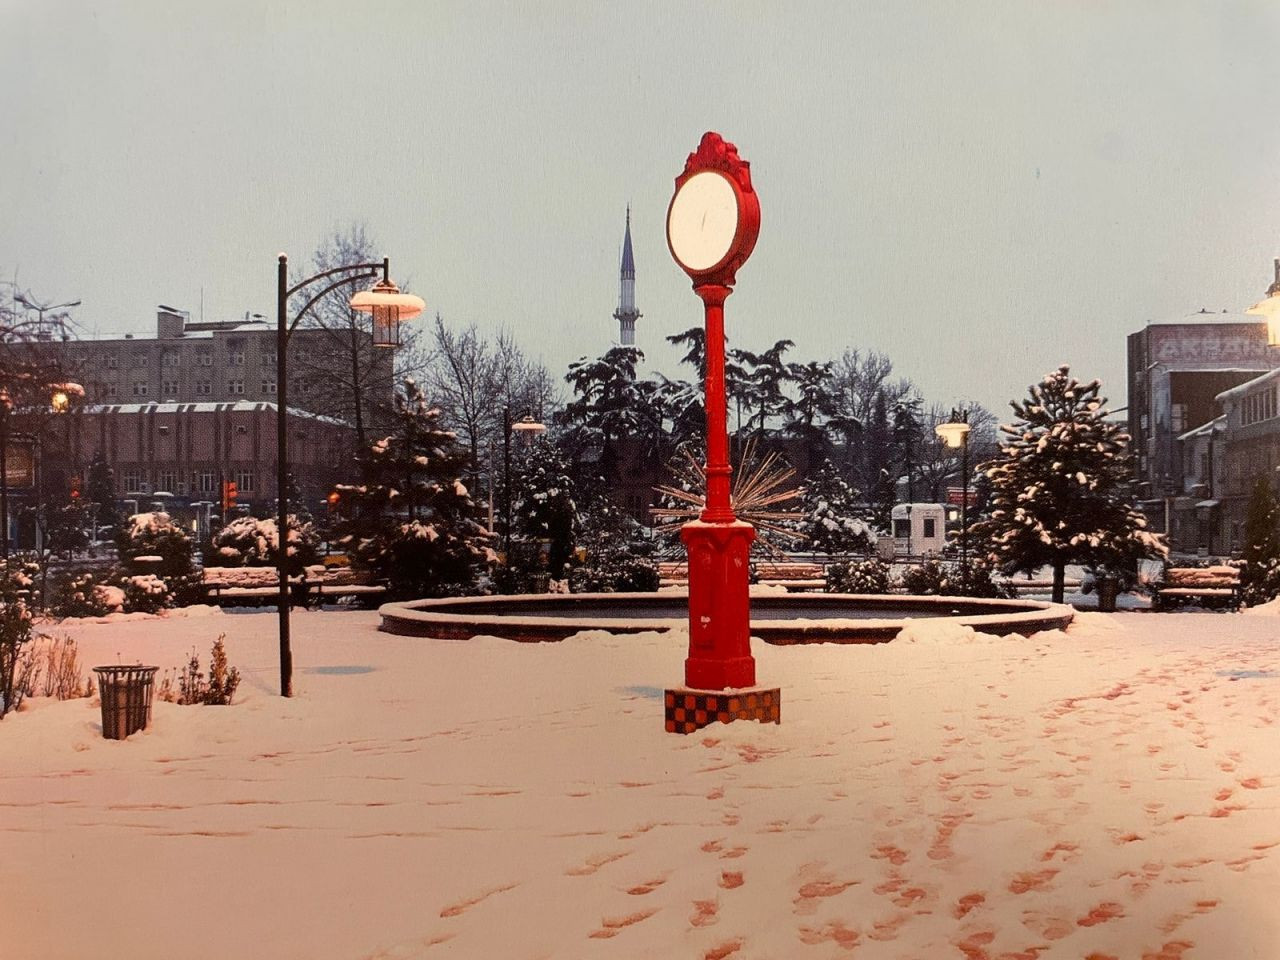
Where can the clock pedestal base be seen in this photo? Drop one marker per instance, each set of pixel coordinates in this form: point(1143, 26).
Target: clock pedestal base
point(719, 605)
point(688, 711)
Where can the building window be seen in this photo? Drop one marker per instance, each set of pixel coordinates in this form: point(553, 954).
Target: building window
point(235, 387)
point(269, 359)
point(1178, 418)
point(208, 481)
point(168, 481)
point(269, 387)
point(237, 358)
point(112, 361)
point(171, 359)
point(930, 527)
point(204, 388)
point(244, 480)
point(141, 389)
point(140, 359)
point(170, 389)
point(112, 390)
point(204, 359)
point(133, 482)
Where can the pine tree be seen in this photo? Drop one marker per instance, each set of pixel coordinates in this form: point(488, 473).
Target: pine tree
point(832, 519)
point(1260, 570)
point(101, 490)
point(907, 434)
point(545, 509)
point(413, 521)
point(1060, 487)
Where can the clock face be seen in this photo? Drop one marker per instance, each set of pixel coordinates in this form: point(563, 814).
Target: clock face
point(703, 221)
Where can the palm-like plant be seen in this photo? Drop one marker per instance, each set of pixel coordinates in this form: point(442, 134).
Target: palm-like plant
point(760, 486)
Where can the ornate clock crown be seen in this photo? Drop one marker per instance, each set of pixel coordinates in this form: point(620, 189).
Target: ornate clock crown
point(716, 153)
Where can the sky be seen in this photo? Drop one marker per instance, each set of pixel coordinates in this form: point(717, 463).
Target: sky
point(980, 190)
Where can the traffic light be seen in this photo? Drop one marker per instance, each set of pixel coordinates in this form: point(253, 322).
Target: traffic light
point(75, 487)
point(229, 494)
point(334, 499)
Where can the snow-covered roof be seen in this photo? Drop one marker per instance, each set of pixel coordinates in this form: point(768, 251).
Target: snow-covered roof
point(1206, 316)
point(238, 406)
point(1216, 425)
point(1238, 391)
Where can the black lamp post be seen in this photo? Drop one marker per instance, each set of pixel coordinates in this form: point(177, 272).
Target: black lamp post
point(388, 306)
point(5, 404)
point(956, 434)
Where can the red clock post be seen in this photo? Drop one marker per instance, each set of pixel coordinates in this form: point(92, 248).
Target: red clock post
point(712, 225)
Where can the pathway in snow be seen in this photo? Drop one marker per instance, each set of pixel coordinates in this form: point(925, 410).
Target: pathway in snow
point(1110, 792)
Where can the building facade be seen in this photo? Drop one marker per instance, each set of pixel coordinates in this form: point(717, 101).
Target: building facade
point(184, 452)
point(226, 362)
point(1176, 371)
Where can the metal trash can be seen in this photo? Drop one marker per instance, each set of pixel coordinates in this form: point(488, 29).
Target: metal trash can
point(126, 699)
point(1108, 589)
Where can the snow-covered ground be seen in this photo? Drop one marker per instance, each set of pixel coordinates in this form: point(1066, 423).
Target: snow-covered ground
point(1107, 792)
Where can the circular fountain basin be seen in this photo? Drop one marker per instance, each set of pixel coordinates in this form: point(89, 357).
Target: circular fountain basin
point(781, 619)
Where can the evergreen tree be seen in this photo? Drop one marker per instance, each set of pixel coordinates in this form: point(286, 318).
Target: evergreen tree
point(1060, 487)
point(101, 490)
point(809, 413)
point(877, 460)
point(907, 434)
point(832, 524)
point(1260, 570)
point(608, 404)
point(765, 389)
point(413, 521)
point(544, 508)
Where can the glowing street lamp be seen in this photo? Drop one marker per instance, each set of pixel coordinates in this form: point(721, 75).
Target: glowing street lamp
point(955, 434)
point(389, 307)
point(1270, 309)
point(712, 225)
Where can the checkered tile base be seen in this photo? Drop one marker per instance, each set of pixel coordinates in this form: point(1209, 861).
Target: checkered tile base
point(690, 710)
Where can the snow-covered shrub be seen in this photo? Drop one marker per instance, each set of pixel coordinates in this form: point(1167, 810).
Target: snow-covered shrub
point(834, 521)
point(615, 572)
point(87, 595)
point(192, 688)
point(859, 576)
point(17, 666)
point(951, 579)
point(977, 581)
point(152, 544)
point(62, 675)
point(925, 578)
point(145, 593)
point(250, 542)
point(1260, 559)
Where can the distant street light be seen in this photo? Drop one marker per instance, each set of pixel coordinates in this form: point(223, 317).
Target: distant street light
point(956, 434)
point(389, 306)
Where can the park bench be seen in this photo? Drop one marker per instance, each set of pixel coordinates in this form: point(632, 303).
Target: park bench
point(260, 587)
point(1213, 587)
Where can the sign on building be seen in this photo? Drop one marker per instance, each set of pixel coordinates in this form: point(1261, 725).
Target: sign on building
point(20, 464)
point(955, 496)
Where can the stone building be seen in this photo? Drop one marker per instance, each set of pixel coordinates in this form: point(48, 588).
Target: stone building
point(185, 451)
point(226, 362)
point(1176, 370)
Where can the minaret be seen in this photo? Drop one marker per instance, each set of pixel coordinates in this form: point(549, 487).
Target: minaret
point(627, 314)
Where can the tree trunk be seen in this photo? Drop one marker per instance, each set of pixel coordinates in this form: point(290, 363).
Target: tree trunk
point(1059, 579)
